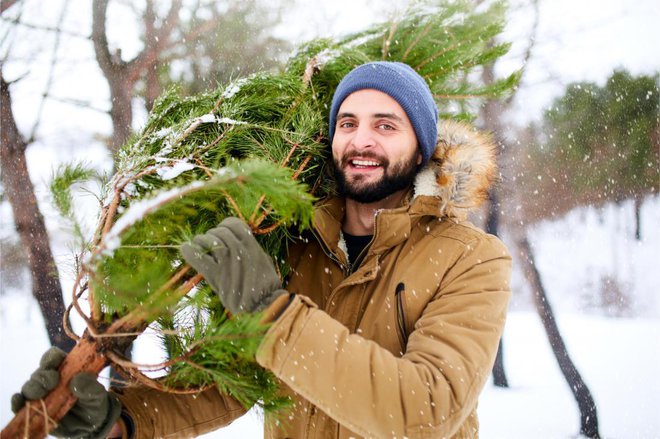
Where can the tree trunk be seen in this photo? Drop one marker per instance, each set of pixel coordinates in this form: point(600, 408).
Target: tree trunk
point(30, 421)
point(586, 404)
point(121, 112)
point(638, 217)
point(123, 75)
point(30, 223)
point(492, 226)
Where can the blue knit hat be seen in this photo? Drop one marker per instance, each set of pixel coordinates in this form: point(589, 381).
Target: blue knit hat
point(405, 86)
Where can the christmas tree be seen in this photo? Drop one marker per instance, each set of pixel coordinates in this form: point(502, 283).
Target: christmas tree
point(256, 148)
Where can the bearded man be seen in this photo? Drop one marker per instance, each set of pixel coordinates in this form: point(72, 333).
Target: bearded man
point(389, 322)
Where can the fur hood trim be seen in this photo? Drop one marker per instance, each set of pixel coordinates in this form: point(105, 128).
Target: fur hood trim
point(460, 171)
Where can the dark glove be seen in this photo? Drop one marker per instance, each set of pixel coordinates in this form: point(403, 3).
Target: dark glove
point(234, 264)
point(95, 411)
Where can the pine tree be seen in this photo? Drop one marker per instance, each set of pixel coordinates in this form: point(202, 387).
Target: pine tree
point(256, 148)
point(602, 145)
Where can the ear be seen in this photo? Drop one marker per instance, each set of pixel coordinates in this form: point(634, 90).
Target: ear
point(419, 158)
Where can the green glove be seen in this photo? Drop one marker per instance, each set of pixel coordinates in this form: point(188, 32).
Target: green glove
point(93, 415)
point(234, 264)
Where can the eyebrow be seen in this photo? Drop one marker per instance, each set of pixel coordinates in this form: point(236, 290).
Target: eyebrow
point(392, 116)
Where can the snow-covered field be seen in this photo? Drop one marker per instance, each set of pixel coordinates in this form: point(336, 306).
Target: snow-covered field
point(618, 357)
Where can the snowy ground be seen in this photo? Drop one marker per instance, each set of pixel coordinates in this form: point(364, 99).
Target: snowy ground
point(618, 357)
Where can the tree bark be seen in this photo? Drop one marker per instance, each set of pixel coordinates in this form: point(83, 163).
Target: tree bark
point(90, 355)
point(492, 226)
point(491, 113)
point(585, 401)
point(6, 4)
point(122, 75)
point(30, 421)
point(639, 199)
point(30, 224)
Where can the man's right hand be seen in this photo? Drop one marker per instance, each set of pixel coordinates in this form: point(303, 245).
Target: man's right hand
point(95, 411)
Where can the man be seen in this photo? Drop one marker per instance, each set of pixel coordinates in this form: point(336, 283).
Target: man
point(389, 322)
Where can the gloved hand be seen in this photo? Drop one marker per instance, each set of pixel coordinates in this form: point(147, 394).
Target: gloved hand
point(93, 415)
point(234, 264)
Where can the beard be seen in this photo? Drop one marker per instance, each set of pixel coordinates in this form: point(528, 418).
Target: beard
point(395, 178)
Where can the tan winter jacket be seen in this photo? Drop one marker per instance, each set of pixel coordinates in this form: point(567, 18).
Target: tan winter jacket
point(399, 346)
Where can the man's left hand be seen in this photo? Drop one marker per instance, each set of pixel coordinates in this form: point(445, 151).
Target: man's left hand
point(234, 264)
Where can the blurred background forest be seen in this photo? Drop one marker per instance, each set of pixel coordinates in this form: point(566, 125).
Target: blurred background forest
point(579, 154)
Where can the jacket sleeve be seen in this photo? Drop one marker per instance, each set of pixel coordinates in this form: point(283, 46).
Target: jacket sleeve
point(430, 391)
point(157, 414)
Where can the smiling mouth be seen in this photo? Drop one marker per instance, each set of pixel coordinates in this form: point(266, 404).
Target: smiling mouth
point(364, 164)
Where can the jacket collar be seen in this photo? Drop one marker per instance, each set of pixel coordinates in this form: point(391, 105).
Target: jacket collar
point(459, 173)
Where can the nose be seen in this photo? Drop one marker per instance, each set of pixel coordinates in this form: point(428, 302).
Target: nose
point(363, 137)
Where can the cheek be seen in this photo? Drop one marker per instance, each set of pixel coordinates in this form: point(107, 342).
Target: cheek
point(337, 150)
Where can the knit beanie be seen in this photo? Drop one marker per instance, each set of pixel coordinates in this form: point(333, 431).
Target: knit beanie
point(404, 85)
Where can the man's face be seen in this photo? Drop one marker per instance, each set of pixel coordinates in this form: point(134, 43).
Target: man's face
point(374, 148)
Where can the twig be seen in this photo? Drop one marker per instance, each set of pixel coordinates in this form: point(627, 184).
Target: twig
point(143, 379)
point(294, 146)
point(233, 204)
point(129, 319)
point(421, 35)
point(268, 229)
point(387, 41)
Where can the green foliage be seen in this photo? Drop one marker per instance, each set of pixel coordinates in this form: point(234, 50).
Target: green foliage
point(444, 41)
point(222, 349)
point(153, 229)
point(60, 185)
point(256, 148)
point(63, 180)
point(602, 141)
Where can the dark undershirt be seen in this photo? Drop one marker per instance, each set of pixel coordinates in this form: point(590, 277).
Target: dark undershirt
point(355, 245)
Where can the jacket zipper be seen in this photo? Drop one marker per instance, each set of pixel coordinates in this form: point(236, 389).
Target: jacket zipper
point(400, 316)
point(329, 254)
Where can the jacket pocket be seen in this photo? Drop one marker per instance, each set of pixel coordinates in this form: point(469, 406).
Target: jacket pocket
point(400, 315)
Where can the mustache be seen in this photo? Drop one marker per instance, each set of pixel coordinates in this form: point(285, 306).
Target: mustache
point(363, 155)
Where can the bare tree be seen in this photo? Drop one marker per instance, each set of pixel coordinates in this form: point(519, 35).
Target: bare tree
point(585, 401)
point(491, 117)
point(30, 222)
point(123, 75)
point(6, 4)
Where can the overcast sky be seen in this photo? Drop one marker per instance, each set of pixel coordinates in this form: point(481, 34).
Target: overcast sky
point(576, 40)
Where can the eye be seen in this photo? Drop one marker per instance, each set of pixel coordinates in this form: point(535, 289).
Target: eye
point(385, 126)
point(346, 124)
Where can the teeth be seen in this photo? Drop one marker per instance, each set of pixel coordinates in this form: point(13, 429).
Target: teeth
point(365, 163)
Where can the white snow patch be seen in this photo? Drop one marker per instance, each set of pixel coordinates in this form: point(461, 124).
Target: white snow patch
point(228, 121)
point(325, 56)
point(233, 88)
point(173, 171)
point(207, 118)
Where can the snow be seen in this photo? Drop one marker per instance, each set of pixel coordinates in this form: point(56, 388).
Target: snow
point(228, 121)
point(618, 357)
point(173, 171)
point(234, 88)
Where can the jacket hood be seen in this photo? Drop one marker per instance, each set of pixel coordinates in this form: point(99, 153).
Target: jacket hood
point(460, 171)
